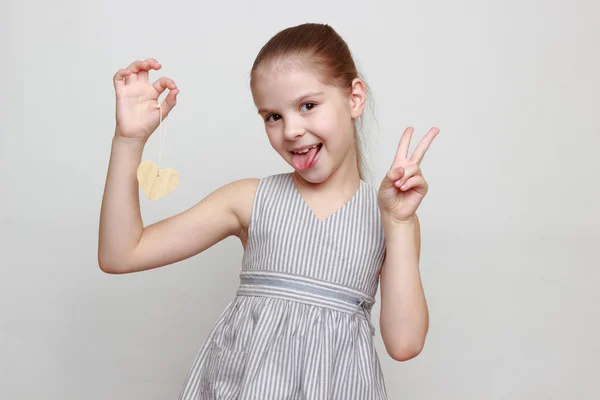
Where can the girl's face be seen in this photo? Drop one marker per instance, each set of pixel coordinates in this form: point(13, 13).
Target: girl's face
point(310, 124)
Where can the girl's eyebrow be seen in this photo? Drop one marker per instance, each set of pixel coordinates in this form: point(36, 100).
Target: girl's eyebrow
point(309, 94)
point(298, 100)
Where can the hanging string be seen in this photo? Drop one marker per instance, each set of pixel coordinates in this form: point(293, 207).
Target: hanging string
point(162, 137)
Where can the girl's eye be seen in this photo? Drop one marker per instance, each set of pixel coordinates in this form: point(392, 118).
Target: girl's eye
point(275, 117)
point(309, 106)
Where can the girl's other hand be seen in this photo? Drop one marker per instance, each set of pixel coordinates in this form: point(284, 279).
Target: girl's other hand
point(136, 113)
point(404, 187)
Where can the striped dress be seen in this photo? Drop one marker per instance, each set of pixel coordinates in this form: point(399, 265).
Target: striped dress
point(299, 326)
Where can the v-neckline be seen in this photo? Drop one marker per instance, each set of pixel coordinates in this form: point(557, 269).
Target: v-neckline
point(333, 214)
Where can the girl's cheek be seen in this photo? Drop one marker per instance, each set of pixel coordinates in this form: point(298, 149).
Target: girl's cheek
point(273, 140)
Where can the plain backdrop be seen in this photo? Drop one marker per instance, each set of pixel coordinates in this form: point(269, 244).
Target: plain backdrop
point(509, 261)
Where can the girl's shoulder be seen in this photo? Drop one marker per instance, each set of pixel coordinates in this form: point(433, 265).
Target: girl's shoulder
point(243, 194)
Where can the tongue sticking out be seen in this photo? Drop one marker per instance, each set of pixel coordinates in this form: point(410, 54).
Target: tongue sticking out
point(304, 161)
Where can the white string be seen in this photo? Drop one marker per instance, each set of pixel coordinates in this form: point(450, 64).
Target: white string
point(162, 137)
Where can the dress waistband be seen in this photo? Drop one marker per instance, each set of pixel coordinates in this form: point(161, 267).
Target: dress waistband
point(306, 290)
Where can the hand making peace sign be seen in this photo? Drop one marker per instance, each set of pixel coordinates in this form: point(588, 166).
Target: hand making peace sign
point(404, 186)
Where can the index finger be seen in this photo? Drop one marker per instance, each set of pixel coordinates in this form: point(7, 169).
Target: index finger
point(402, 150)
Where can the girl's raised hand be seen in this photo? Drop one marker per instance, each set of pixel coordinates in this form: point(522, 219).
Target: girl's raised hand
point(404, 186)
point(136, 114)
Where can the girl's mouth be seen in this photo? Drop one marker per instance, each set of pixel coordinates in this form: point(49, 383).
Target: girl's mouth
point(307, 158)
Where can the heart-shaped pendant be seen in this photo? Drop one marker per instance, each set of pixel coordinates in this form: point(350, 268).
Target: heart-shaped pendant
point(154, 183)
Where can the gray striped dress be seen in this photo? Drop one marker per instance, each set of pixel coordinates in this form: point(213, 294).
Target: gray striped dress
point(299, 326)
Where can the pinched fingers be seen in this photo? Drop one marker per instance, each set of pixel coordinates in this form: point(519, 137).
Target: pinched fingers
point(395, 174)
point(163, 83)
point(169, 102)
point(410, 170)
point(415, 181)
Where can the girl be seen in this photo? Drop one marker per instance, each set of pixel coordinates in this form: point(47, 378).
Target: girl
point(316, 241)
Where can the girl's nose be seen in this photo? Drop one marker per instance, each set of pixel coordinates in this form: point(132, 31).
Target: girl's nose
point(293, 130)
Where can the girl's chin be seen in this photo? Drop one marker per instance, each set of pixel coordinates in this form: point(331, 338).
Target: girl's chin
point(313, 175)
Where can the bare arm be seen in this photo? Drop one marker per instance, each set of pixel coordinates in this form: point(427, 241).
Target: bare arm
point(225, 212)
point(404, 318)
point(124, 245)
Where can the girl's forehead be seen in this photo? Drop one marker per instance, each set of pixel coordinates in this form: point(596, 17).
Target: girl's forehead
point(277, 84)
point(284, 75)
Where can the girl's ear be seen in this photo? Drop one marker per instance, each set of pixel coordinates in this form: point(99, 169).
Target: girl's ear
point(358, 97)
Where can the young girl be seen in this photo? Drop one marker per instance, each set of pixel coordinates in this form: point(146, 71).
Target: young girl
point(316, 241)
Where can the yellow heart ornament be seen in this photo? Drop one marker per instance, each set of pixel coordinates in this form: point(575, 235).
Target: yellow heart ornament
point(155, 182)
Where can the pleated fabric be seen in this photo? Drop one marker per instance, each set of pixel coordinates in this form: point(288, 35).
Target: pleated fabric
point(299, 326)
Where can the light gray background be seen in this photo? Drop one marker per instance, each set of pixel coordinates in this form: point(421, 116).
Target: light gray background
point(509, 227)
